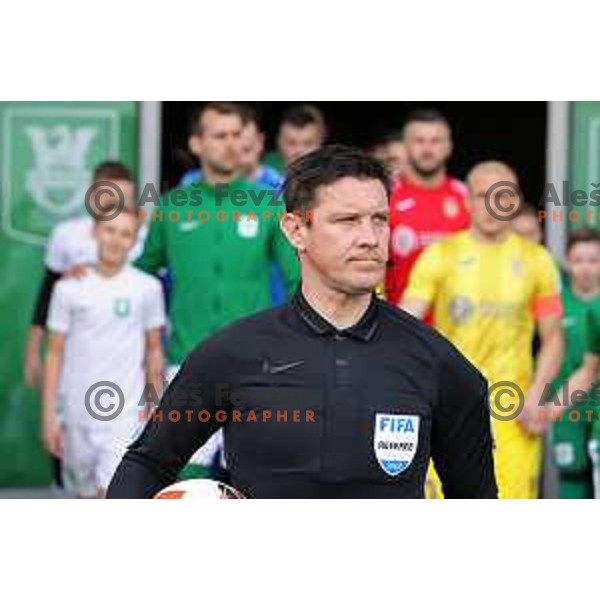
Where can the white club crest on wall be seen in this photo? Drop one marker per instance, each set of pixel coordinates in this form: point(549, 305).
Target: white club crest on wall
point(60, 176)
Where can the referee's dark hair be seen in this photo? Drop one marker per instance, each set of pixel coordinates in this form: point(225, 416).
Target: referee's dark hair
point(425, 115)
point(323, 167)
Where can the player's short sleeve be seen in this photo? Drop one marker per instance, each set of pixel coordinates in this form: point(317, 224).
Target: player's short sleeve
point(153, 256)
point(153, 306)
point(593, 329)
point(56, 250)
point(61, 308)
point(426, 274)
point(546, 299)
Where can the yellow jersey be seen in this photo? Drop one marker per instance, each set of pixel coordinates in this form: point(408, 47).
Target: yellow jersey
point(486, 299)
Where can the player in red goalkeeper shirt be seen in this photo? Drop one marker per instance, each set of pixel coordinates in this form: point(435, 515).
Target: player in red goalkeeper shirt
point(426, 204)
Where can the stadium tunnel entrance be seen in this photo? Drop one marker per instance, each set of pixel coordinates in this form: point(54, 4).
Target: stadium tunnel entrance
point(514, 132)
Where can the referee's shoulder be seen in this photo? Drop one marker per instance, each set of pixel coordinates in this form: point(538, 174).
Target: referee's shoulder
point(438, 347)
point(398, 321)
point(266, 321)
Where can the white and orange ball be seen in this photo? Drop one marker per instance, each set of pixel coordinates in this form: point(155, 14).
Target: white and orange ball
point(199, 489)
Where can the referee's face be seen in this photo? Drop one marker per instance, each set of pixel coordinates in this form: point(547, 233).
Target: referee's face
point(345, 243)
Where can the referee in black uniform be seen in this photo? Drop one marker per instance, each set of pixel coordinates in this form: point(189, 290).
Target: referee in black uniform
point(336, 394)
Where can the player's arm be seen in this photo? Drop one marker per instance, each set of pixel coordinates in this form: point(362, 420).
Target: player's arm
point(154, 318)
point(33, 361)
point(154, 362)
point(547, 311)
point(548, 364)
point(166, 444)
point(32, 365)
point(51, 429)
point(54, 261)
point(461, 443)
point(153, 256)
point(424, 282)
point(42, 304)
point(584, 377)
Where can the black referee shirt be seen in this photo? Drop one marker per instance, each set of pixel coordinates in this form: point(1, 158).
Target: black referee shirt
point(310, 411)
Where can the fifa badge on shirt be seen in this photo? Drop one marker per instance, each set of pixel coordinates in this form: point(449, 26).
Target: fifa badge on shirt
point(121, 307)
point(450, 208)
point(247, 226)
point(395, 441)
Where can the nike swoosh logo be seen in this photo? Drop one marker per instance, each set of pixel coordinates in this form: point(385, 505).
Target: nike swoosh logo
point(273, 369)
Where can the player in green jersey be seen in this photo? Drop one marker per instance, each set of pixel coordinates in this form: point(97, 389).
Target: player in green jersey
point(574, 428)
point(218, 238)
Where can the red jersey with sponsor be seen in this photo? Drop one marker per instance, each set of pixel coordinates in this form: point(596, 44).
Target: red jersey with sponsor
point(418, 217)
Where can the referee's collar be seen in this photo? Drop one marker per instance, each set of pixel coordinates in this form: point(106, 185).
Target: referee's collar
point(363, 330)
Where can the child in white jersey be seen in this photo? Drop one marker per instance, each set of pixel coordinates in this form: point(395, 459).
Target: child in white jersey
point(71, 243)
point(104, 346)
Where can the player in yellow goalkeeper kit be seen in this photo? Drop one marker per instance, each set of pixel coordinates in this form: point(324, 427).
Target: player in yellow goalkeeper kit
point(488, 288)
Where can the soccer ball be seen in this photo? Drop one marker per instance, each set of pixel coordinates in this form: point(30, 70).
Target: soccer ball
point(199, 489)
